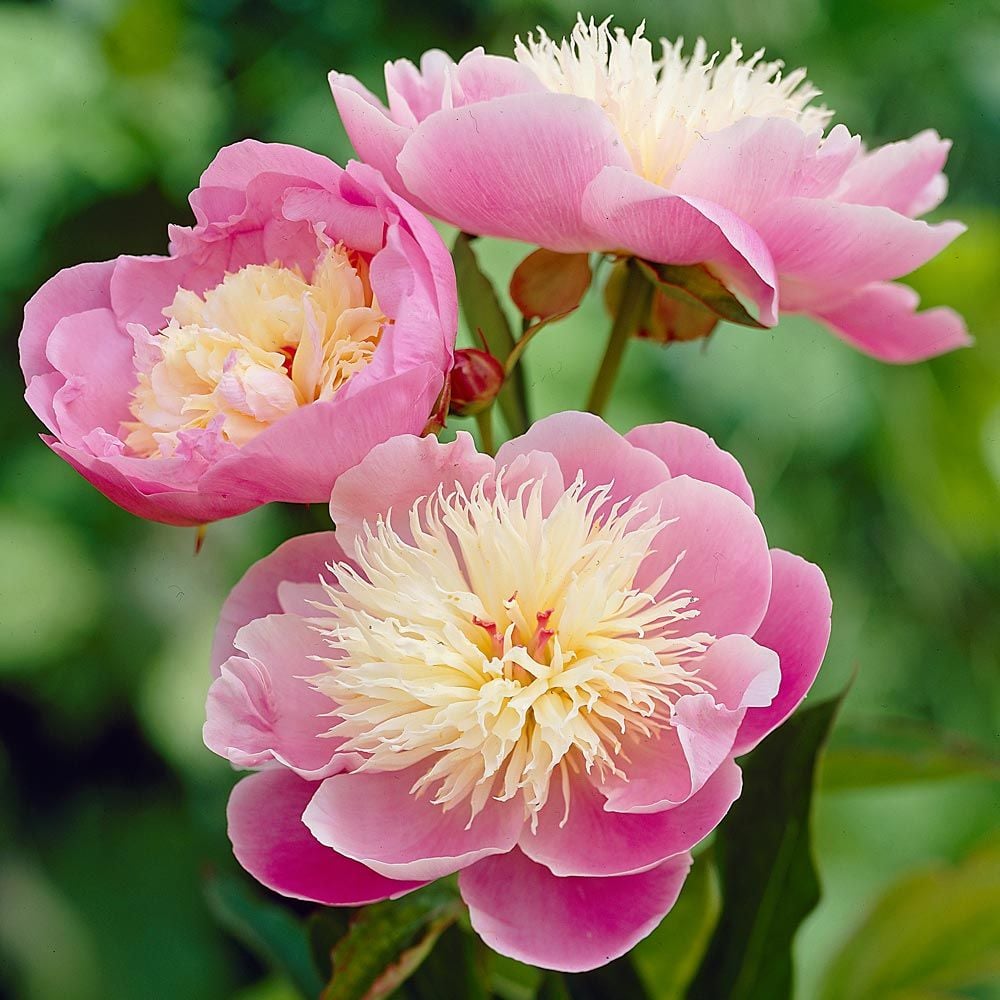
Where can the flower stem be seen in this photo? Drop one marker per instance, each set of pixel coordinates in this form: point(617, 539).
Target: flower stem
point(484, 420)
point(636, 297)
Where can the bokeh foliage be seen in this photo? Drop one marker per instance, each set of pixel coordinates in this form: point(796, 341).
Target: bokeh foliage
point(112, 813)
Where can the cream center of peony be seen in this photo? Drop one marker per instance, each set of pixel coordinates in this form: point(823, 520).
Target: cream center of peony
point(257, 346)
point(501, 647)
point(663, 107)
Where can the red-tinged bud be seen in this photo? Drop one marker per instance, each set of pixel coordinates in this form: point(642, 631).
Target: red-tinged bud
point(475, 381)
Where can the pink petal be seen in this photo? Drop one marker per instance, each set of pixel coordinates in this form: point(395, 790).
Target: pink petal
point(582, 442)
point(239, 164)
point(375, 819)
point(797, 628)
point(261, 707)
point(741, 673)
point(597, 843)
point(630, 214)
point(484, 77)
point(882, 321)
point(897, 175)
point(298, 458)
point(73, 290)
point(301, 559)
point(514, 167)
point(95, 355)
point(688, 451)
point(394, 475)
point(522, 910)
point(435, 255)
point(376, 138)
point(725, 563)
point(413, 93)
point(156, 500)
point(757, 161)
point(834, 245)
point(271, 842)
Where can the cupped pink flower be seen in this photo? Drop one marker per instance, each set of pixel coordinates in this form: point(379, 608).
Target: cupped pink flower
point(535, 670)
point(595, 144)
point(308, 315)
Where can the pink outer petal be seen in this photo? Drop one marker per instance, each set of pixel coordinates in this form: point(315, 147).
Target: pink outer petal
point(298, 458)
point(835, 245)
point(75, 289)
point(271, 842)
point(514, 167)
point(797, 628)
point(375, 819)
point(757, 161)
point(300, 560)
point(882, 321)
point(630, 214)
point(153, 501)
point(725, 563)
point(898, 175)
point(688, 451)
point(522, 910)
point(394, 475)
point(262, 706)
point(237, 165)
point(597, 843)
point(582, 442)
point(376, 138)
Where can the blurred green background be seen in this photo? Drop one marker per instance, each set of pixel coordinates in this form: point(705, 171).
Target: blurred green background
point(112, 812)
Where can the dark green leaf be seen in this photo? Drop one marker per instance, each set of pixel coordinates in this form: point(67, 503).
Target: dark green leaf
point(511, 980)
point(267, 929)
point(667, 959)
point(325, 927)
point(455, 967)
point(933, 932)
point(894, 752)
point(386, 942)
point(764, 855)
point(698, 287)
point(486, 318)
point(553, 987)
point(613, 981)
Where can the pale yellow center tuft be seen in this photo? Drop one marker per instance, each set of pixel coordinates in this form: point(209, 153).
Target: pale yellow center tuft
point(254, 348)
point(501, 646)
point(663, 107)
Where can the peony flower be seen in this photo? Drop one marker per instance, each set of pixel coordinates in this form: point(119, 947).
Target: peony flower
point(595, 144)
point(534, 670)
point(309, 315)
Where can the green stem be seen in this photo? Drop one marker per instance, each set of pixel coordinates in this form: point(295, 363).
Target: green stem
point(484, 420)
point(636, 298)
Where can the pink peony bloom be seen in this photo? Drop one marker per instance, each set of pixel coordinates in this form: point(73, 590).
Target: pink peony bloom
point(534, 670)
point(596, 145)
point(309, 315)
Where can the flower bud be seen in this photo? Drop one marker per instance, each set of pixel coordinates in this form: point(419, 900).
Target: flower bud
point(475, 381)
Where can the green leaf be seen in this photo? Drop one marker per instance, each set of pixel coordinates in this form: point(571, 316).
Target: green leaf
point(386, 942)
point(267, 929)
point(668, 958)
point(511, 980)
point(486, 318)
point(698, 287)
point(455, 967)
point(764, 855)
point(613, 981)
point(896, 752)
point(932, 932)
